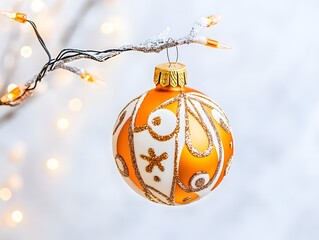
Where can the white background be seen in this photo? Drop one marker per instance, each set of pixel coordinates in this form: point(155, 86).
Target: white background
point(267, 84)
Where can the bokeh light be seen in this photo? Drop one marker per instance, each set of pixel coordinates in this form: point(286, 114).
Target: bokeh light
point(17, 216)
point(62, 123)
point(107, 28)
point(5, 194)
point(52, 164)
point(75, 105)
point(26, 51)
point(37, 5)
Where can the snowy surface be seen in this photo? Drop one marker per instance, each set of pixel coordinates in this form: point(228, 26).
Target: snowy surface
point(267, 84)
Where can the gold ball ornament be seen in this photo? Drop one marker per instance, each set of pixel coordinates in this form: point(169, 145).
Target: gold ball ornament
point(172, 144)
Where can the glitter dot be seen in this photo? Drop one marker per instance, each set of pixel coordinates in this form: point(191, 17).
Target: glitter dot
point(37, 5)
point(52, 164)
point(200, 182)
point(75, 105)
point(157, 179)
point(26, 51)
point(107, 28)
point(62, 123)
point(187, 199)
point(17, 216)
point(5, 194)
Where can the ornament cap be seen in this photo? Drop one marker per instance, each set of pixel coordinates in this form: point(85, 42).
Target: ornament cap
point(170, 75)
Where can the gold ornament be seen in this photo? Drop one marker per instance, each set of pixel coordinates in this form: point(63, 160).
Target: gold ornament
point(173, 144)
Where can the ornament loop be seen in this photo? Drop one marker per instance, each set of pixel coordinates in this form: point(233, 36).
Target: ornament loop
point(167, 53)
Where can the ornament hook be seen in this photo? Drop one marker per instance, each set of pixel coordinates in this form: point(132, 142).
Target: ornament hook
point(167, 53)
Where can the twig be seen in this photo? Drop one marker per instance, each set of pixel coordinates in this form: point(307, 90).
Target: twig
point(66, 56)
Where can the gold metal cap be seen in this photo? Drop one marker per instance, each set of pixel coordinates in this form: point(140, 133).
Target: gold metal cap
point(170, 74)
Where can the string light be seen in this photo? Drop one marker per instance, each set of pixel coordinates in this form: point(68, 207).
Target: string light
point(26, 51)
point(62, 123)
point(107, 28)
point(17, 216)
point(75, 105)
point(5, 194)
point(52, 164)
point(153, 45)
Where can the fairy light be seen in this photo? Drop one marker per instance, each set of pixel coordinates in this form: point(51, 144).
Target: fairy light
point(212, 20)
point(107, 28)
point(215, 44)
point(75, 105)
point(37, 6)
point(11, 87)
point(62, 123)
point(211, 43)
point(14, 92)
point(17, 216)
point(5, 194)
point(26, 51)
point(87, 77)
point(16, 16)
point(52, 164)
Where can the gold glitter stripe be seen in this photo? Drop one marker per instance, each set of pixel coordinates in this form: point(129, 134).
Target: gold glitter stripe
point(132, 148)
point(121, 119)
point(218, 109)
point(140, 128)
point(189, 145)
point(168, 102)
point(230, 161)
point(153, 198)
point(176, 130)
point(175, 177)
point(125, 171)
point(169, 201)
point(199, 188)
point(220, 156)
point(224, 125)
point(220, 147)
point(211, 101)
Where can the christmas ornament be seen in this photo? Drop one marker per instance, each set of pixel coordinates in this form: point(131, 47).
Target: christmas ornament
point(173, 144)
